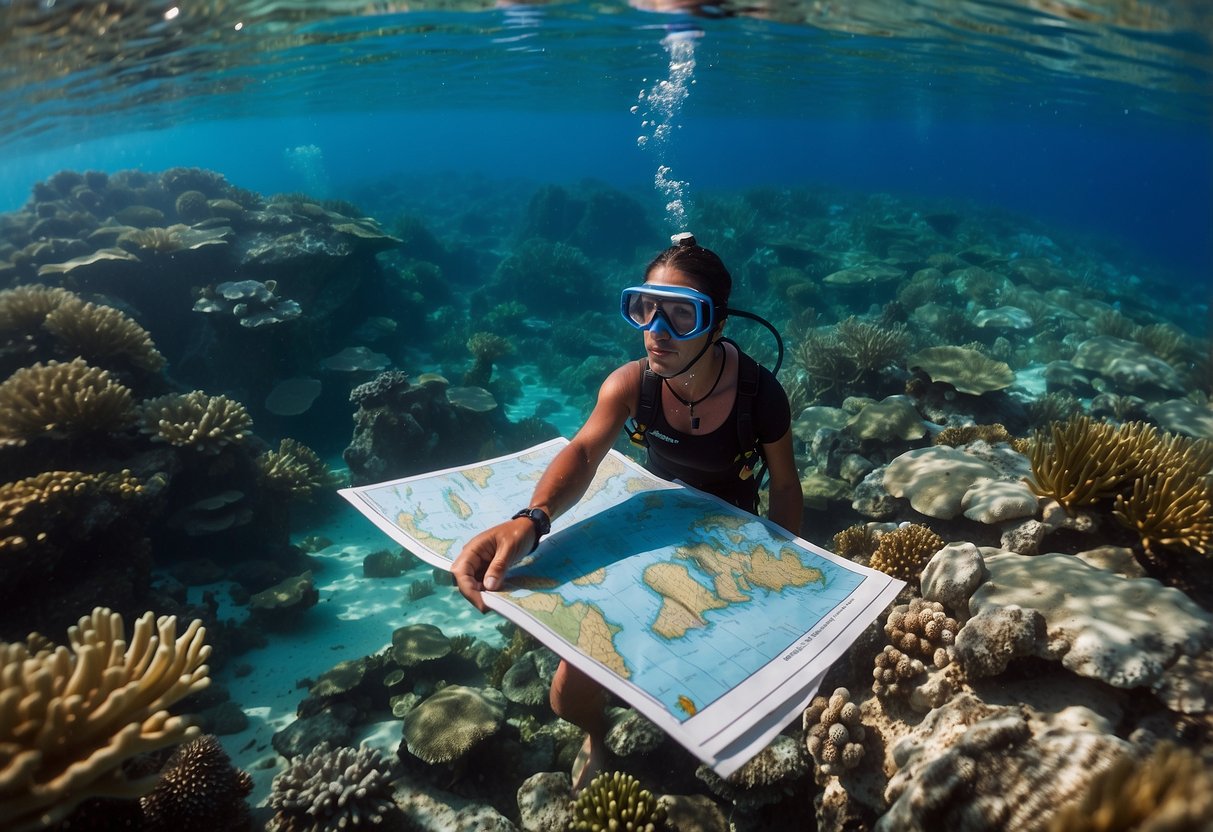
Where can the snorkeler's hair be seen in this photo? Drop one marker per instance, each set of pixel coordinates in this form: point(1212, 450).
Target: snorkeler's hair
point(698, 263)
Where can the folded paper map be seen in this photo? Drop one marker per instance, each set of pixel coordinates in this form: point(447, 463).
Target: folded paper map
point(716, 625)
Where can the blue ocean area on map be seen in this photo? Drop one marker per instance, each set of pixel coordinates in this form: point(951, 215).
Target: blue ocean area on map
point(688, 669)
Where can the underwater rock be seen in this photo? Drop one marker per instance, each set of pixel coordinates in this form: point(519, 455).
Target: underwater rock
point(951, 576)
point(1131, 367)
point(1126, 632)
point(429, 809)
point(893, 418)
point(631, 734)
point(528, 679)
point(281, 606)
point(777, 771)
point(1183, 416)
point(385, 564)
point(545, 802)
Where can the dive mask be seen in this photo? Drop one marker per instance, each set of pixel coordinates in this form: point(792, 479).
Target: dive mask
point(683, 313)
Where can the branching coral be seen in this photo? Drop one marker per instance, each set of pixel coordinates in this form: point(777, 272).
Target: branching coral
point(486, 348)
point(904, 551)
point(62, 399)
point(1171, 504)
point(835, 735)
point(848, 353)
point(195, 420)
point(1054, 407)
point(1170, 790)
point(616, 801)
point(70, 717)
point(31, 509)
point(328, 789)
point(295, 469)
point(1084, 461)
point(100, 332)
point(24, 308)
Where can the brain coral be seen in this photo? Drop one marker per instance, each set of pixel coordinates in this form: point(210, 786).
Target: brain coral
point(196, 420)
point(451, 722)
point(99, 333)
point(967, 370)
point(62, 399)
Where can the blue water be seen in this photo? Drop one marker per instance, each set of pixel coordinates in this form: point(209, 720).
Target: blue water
point(1094, 127)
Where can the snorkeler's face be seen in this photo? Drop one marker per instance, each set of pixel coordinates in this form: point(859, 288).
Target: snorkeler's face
point(666, 354)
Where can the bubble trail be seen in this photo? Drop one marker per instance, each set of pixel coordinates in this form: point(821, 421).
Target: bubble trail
point(661, 104)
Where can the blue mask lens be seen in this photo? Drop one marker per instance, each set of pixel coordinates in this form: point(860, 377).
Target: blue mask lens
point(681, 312)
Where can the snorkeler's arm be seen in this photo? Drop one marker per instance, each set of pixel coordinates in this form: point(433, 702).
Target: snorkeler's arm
point(785, 502)
point(483, 562)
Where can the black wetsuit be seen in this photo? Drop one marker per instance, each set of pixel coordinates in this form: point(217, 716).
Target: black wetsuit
point(710, 461)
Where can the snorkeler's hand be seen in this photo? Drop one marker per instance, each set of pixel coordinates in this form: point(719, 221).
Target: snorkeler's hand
point(482, 563)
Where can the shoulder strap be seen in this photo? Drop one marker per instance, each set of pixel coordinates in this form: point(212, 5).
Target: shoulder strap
point(747, 390)
point(646, 407)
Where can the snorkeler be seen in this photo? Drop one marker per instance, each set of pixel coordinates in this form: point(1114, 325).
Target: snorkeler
point(707, 414)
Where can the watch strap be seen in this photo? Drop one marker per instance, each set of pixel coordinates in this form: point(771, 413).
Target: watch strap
point(539, 518)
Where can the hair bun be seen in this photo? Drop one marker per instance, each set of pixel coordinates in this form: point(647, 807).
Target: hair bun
point(683, 238)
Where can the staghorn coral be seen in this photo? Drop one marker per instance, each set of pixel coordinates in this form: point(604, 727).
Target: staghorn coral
point(70, 717)
point(58, 399)
point(32, 509)
point(904, 551)
point(848, 353)
point(922, 629)
point(1171, 503)
point(329, 789)
point(295, 469)
point(1167, 341)
point(24, 308)
point(97, 333)
point(1169, 791)
point(894, 673)
point(616, 801)
point(199, 791)
point(195, 420)
point(1084, 461)
point(834, 735)
point(1054, 407)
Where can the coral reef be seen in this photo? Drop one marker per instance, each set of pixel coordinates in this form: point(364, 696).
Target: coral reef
point(1084, 461)
point(101, 333)
point(922, 629)
point(62, 399)
point(295, 469)
point(964, 434)
point(894, 673)
point(1171, 504)
point(207, 424)
point(616, 801)
point(329, 789)
point(32, 509)
point(24, 308)
point(834, 735)
point(70, 717)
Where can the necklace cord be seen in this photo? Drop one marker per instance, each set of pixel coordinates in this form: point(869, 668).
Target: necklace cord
point(690, 405)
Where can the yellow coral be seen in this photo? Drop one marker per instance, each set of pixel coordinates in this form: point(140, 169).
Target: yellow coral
point(1169, 791)
point(853, 542)
point(1084, 461)
point(69, 718)
point(965, 369)
point(1171, 504)
point(904, 551)
point(100, 332)
point(62, 399)
point(296, 469)
point(162, 240)
point(196, 420)
point(24, 308)
point(32, 509)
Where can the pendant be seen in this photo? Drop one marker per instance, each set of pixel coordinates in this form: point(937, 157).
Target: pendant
point(694, 420)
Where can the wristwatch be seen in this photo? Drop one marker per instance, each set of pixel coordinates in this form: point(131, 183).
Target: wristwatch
point(539, 517)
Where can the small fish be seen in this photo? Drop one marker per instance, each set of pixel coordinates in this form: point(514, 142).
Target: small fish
point(687, 705)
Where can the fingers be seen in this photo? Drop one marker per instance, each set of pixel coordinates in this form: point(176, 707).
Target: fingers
point(482, 564)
